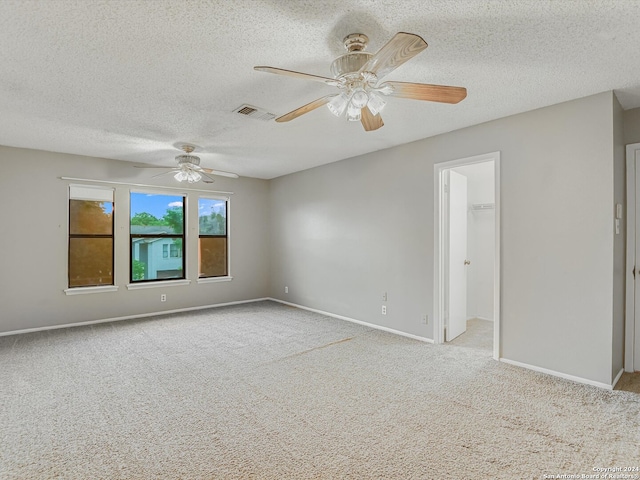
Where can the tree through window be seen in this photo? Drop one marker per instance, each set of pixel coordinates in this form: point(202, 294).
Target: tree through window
point(157, 237)
point(90, 236)
point(212, 242)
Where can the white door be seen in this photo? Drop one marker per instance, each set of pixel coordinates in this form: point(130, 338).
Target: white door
point(457, 262)
point(636, 329)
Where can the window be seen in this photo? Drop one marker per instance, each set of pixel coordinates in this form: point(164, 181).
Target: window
point(171, 250)
point(157, 237)
point(90, 236)
point(212, 242)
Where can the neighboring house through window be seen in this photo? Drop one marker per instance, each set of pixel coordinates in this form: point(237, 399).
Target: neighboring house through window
point(157, 237)
point(90, 236)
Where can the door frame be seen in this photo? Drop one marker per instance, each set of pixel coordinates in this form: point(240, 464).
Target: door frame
point(441, 247)
point(630, 306)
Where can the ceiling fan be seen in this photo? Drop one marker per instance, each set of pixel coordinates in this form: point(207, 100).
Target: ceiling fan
point(357, 73)
point(189, 169)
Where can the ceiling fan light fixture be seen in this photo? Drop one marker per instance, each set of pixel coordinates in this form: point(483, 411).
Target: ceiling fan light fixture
point(353, 113)
point(193, 176)
point(181, 176)
point(376, 103)
point(190, 176)
point(359, 99)
point(338, 104)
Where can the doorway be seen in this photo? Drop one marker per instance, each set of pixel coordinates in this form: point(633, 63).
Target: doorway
point(467, 252)
point(632, 308)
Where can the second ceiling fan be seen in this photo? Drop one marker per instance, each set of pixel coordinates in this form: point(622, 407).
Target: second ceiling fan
point(188, 168)
point(357, 73)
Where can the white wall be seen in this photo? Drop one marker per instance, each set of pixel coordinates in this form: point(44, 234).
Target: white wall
point(33, 243)
point(480, 239)
point(343, 233)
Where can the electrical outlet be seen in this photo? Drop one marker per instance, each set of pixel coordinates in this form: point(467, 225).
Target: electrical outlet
point(425, 319)
point(384, 297)
point(286, 289)
point(163, 298)
point(384, 309)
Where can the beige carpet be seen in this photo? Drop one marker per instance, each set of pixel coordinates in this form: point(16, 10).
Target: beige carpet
point(479, 335)
point(268, 391)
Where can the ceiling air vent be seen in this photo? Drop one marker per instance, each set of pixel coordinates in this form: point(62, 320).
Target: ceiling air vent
point(255, 112)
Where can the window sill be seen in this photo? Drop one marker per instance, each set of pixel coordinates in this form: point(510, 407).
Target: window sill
point(214, 279)
point(160, 284)
point(85, 290)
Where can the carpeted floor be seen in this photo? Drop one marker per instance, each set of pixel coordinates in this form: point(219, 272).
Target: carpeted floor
point(267, 391)
point(479, 335)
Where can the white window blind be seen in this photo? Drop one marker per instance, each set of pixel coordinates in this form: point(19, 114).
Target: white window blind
point(89, 192)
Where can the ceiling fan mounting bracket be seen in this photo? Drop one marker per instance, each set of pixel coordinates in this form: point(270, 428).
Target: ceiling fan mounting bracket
point(355, 42)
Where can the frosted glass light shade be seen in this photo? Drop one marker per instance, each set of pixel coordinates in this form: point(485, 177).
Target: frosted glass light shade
point(376, 103)
point(181, 176)
point(353, 113)
point(359, 98)
point(190, 176)
point(193, 177)
point(338, 104)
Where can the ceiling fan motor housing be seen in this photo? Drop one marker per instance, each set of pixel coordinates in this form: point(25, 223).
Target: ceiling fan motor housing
point(349, 63)
point(188, 160)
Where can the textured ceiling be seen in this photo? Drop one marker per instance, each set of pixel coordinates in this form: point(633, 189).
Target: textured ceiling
point(133, 79)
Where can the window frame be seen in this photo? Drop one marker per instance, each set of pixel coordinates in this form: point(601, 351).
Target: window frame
point(227, 274)
point(83, 195)
point(182, 236)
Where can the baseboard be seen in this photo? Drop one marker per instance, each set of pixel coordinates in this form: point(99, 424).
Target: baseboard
point(561, 375)
point(615, 380)
point(353, 320)
point(475, 317)
point(129, 317)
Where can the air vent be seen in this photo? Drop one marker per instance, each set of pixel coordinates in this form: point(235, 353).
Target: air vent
point(255, 112)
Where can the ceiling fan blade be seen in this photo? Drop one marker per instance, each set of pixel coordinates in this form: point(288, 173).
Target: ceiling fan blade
point(139, 166)
point(206, 178)
point(370, 121)
point(218, 172)
point(305, 109)
point(291, 73)
point(402, 47)
point(423, 91)
point(164, 173)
